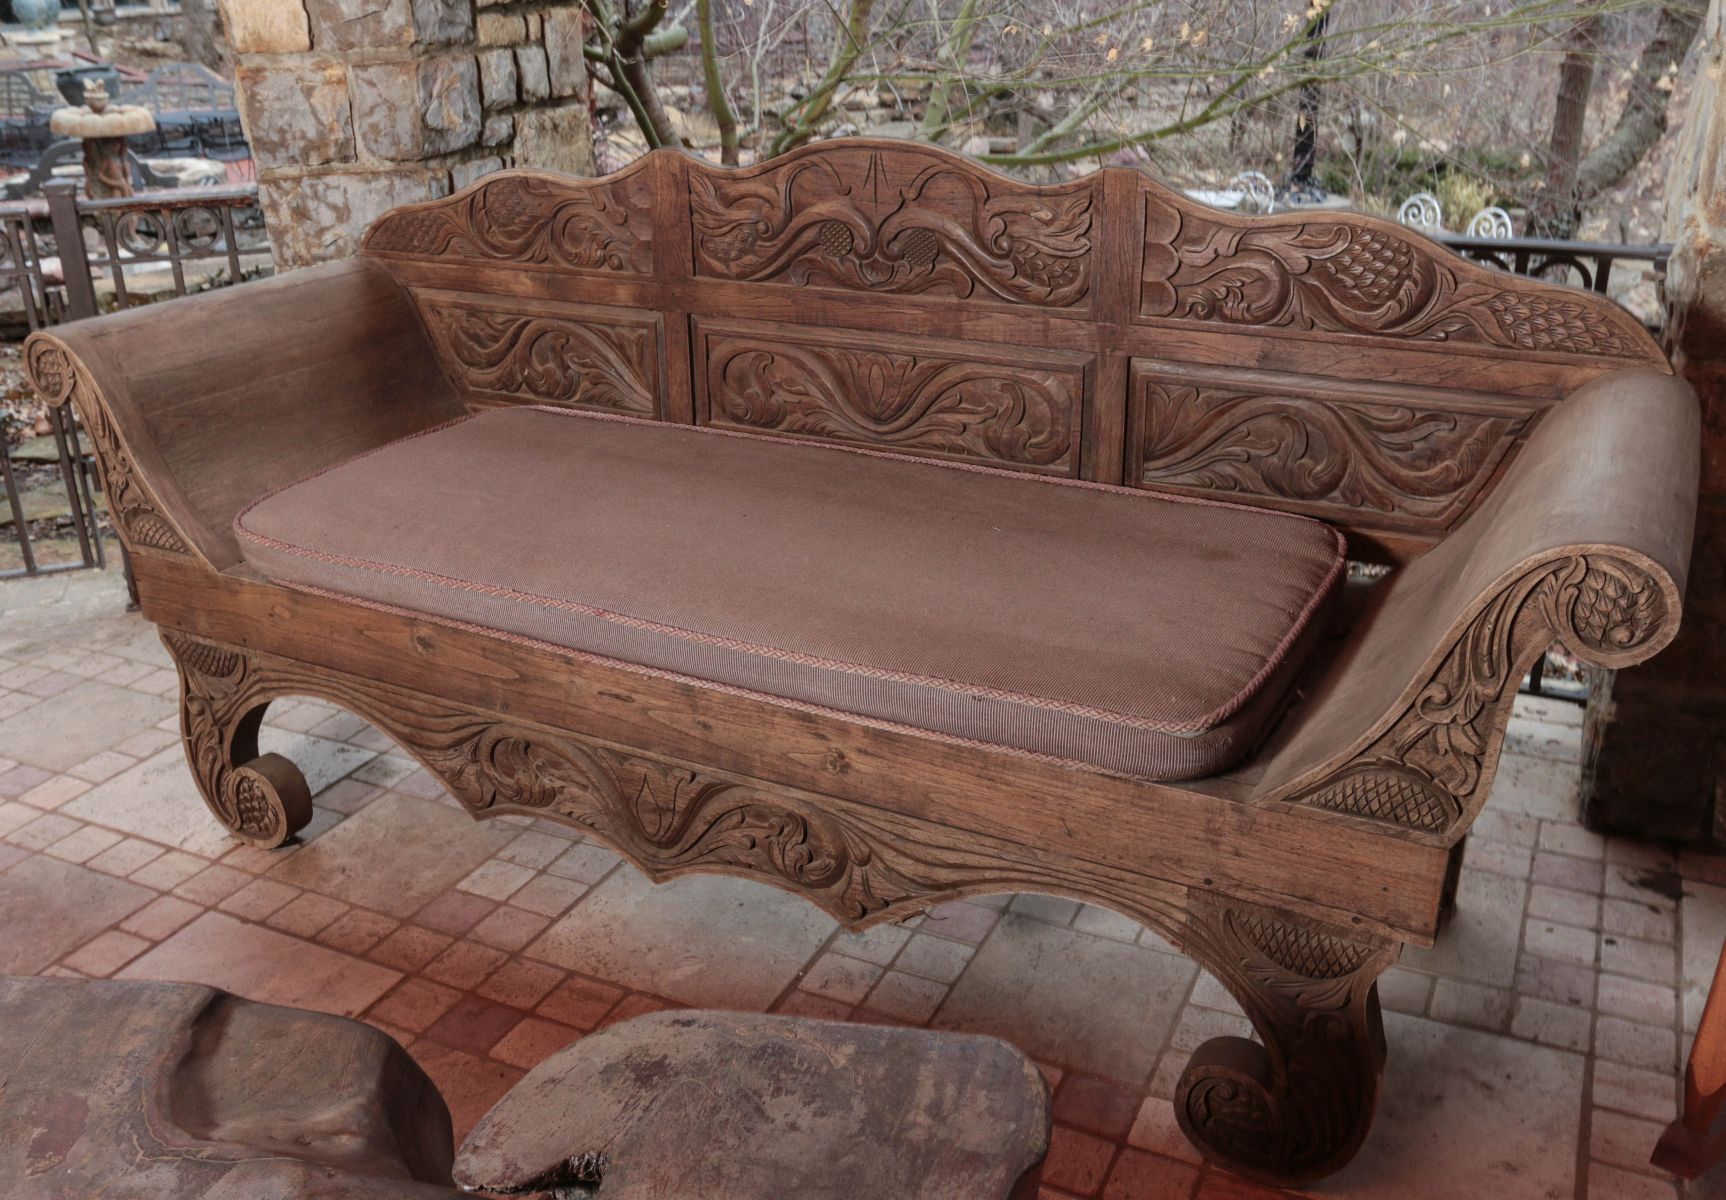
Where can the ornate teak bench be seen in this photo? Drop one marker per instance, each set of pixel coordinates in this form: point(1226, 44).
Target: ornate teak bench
point(1014, 643)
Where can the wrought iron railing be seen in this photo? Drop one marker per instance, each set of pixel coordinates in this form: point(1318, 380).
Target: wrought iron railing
point(1582, 264)
point(65, 257)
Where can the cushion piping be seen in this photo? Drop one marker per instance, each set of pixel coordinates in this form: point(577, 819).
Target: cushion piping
point(1199, 725)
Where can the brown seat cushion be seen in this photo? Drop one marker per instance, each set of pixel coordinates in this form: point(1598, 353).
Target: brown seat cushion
point(1143, 634)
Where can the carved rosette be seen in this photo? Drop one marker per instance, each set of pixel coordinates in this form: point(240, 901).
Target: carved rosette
point(136, 513)
point(1429, 769)
point(1021, 415)
point(1296, 1107)
point(261, 799)
point(907, 223)
point(523, 217)
point(1329, 456)
point(1342, 274)
point(541, 358)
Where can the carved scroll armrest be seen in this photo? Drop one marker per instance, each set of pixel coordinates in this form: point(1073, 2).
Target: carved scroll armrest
point(1585, 543)
point(199, 406)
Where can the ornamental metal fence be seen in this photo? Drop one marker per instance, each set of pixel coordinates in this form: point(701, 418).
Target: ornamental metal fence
point(64, 257)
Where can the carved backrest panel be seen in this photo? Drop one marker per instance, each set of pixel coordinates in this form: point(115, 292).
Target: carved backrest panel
point(902, 297)
point(900, 220)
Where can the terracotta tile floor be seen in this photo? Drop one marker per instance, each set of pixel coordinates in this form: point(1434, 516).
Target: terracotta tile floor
point(1534, 1052)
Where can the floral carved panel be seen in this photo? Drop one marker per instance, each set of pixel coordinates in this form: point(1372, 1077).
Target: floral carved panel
point(1430, 765)
point(1348, 275)
point(541, 220)
point(1387, 460)
point(909, 222)
point(505, 351)
point(973, 404)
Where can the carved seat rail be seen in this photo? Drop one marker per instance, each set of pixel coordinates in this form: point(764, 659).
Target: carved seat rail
point(1520, 450)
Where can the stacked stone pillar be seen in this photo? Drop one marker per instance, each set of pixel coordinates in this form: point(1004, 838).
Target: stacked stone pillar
point(355, 106)
point(1655, 738)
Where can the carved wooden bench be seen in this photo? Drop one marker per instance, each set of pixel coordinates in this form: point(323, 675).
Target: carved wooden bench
point(851, 524)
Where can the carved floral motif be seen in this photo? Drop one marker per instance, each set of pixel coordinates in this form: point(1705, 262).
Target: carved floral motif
point(905, 223)
point(584, 361)
point(1331, 454)
point(262, 799)
point(1297, 1106)
point(1020, 415)
point(586, 225)
point(1424, 772)
point(135, 511)
point(1345, 275)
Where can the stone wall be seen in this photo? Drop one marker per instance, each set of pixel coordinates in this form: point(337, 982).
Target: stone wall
point(1655, 737)
point(356, 106)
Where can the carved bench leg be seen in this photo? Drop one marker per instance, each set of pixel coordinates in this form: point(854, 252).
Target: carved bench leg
point(1296, 1108)
point(261, 798)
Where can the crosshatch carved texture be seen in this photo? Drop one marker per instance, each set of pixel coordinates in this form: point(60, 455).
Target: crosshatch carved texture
point(1339, 275)
point(583, 359)
point(906, 222)
point(1427, 771)
point(539, 219)
point(1410, 466)
point(1024, 414)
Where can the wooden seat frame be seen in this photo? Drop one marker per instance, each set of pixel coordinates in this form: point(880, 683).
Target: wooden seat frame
point(1517, 451)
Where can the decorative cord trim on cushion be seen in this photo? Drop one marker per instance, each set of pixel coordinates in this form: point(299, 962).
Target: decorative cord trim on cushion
point(729, 689)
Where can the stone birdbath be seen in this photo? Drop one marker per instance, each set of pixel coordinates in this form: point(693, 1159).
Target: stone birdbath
point(103, 128)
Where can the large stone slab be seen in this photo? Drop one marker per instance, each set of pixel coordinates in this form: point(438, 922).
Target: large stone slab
point(63, 731)
point(702, 940)
point(157, 799)
point(1082, 1002)
point(1467, 1113)
point(395, 855)
point(261, 964)
point(48, 908)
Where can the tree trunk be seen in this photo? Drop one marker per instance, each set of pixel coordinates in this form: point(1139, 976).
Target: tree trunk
point(201, 34)
point(1557, 211)
point(1643, 120)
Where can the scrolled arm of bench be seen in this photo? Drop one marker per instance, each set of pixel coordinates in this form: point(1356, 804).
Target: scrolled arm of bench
point(198, 406)
point(1585, 543)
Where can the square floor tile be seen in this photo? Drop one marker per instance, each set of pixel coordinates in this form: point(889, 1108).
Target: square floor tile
point(49, 907)
point(1089, 1003)
point(395, 855)
point(1467, 1113)
point(261, 964)
point(701, 940)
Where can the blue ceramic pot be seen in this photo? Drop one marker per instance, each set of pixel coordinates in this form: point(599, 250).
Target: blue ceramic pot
point(36, 14)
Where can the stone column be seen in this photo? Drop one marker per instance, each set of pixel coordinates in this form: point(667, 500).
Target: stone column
point(355, 106)
point(1654, 748)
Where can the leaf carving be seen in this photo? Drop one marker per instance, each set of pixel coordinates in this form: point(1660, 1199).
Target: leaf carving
point(1339, 274)
point(910, 222)
point(584, 362)
point(915, 401)
point(1332, 455)
point(544, 220)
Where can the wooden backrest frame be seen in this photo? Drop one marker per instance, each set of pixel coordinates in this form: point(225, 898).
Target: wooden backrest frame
point(1107, 328)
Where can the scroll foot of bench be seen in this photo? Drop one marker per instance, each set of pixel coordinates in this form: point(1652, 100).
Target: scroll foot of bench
point(262, 799)
point(1298, 1107)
